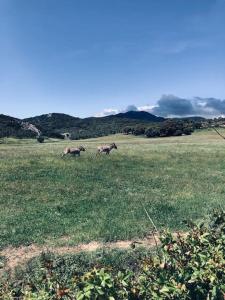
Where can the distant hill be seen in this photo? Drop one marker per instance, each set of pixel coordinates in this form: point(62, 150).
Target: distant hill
point(139, 115)
point(53, 120)
point(58, 124)
point(55, 124)
point(10, 126)
point(6, 120)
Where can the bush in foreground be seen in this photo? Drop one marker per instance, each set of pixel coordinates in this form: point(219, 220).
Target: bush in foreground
point(187, 266)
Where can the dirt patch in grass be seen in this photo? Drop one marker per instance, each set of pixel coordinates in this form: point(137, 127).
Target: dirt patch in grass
point(19, 256)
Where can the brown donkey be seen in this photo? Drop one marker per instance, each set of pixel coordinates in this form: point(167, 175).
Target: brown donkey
point(73, 151)
point(106, 148)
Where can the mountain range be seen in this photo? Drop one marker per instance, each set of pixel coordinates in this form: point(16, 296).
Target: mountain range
point(57, 124)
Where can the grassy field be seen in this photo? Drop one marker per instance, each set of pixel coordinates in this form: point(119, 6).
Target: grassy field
point(47, 199)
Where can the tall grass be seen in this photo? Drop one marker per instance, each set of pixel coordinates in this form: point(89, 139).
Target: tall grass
point(45, 198)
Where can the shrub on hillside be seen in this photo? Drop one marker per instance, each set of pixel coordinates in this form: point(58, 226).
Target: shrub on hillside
point(178, 132)
point(188, 130)
point(128, 130)
point(40, 139)
point(152, 132)
point(187, 266)
point(139, 130)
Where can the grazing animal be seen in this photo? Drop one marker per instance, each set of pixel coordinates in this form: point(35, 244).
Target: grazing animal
point(73, 151)
point(106, 148)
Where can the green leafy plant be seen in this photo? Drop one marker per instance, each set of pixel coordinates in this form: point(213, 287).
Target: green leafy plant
point(188, 266)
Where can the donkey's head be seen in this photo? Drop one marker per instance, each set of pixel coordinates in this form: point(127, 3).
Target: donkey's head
point(81, 148)
point(113, 145)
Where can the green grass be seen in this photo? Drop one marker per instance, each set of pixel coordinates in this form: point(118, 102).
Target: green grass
point(47, 199)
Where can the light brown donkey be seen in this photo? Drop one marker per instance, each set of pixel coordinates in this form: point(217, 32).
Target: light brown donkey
point(73, 151)
point(106, 148)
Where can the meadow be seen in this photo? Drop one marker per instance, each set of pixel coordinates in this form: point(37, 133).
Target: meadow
point(46, 199)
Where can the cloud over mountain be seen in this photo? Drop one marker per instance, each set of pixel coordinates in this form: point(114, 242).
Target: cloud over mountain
point(173, 106)
point(107, 112)
point(114, 111)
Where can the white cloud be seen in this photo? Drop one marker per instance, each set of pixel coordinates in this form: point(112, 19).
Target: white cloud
point(146, 107)
point(107, 112)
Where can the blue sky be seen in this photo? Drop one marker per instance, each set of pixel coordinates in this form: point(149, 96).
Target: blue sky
point(82, 57)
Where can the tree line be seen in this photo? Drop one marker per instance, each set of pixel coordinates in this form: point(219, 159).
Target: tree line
point(170, 127)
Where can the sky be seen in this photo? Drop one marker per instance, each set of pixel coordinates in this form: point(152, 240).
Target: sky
point(97, 57)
